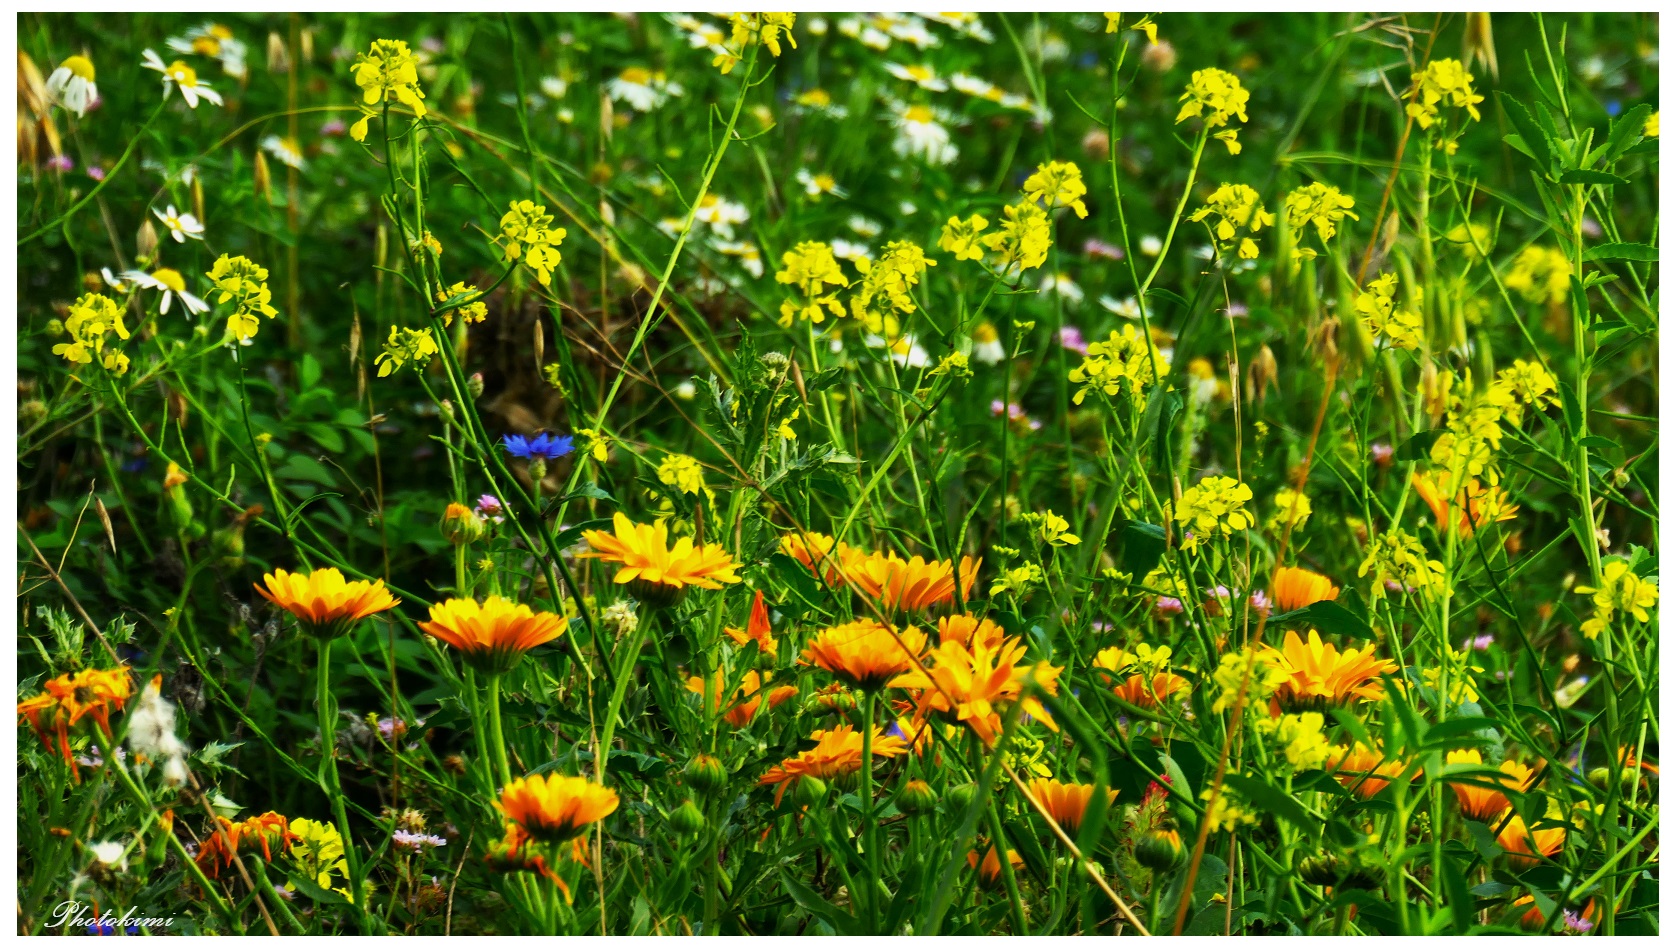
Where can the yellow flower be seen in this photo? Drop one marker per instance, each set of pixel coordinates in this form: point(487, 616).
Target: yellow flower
point(1053, 529)
point(1057, 184)
point(1017, 580)
point(1480, 803)
point(660, 572)
point(1293, 588)
point(1522, 385)
point(1363, 770)
point(1289, 503)
point(1211, 508)
point(1217, 95)
point(1149, 691)
point(763, 28)
point(472, 312)
point(593, 443)
point(1651, 128)
point(1541, 274)
point(809, 267)
point(911, 585)
point(683, 473)
point(492, 636)
point(1443, 82)
point(1527, 847)
point(975, 686)
point(759, 628)
point(1620, 590)
point(962, 237)
point(1302, 740)
point(1320, 677)
point(1319, 205)
point(889, 280)
point(820, 554)
point(1065, 802)
point(1122, 362)
point(389, 68)
point(1397, 558)
point(1146, 24)
point(1269, 673)
point(239, 279)
point(526, 233)
point(838, 753)
point(317, 850)
point(969, 630)
point(1023, 240)
point(323, 601)
point(555, 808)
point(1482, 505)
point(406, 345)
point(865, 654)
point(90, 318)
point(1402, 328)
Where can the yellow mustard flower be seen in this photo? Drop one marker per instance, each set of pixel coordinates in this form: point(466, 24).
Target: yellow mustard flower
point(239, 279)
point(388, 69)
point(1237, 208)
point(1397, 558)
point(406, 345)
point(962, 237)
point(475, 311)
point(1120, 363)
point(1401, 327)
point(1057, 184)
point(1302, 740)
point(1217, 96)
point(1621, 590)
point(1443, 82)
point(1213, 507)
point(1541, 274)
point(1023, 238)
point(810, 268)
point(1321, 206)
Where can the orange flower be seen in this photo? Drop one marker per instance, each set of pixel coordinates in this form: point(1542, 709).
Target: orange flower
point(1151, 693)
point(492, 636)
point(659, 574)
point(990, 869)
point(813, 550)
point(1320, 677)
point(746, 702)
point(839, 753)
point(555, 808)
point(1478, 802)
point(780, 694)
point(864, 653)
point(1065, 802)
point(1364, 770)
point(1524, 846)
point(759, 628)
point(1293, 588)
point(68, 699)
point(1483, 505)
point(325, 603)
point(967, 630)
point(270, 830)
point(974, 686)
point(912, 585)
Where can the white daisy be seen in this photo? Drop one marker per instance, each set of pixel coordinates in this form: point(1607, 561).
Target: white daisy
point(848, 250)
point(907, 29)
point(721, 214)
point(922, 75)
point(988, 348)
point(906, 351)
point(1125, 308)
point(179, 225)
point(285, 150)
point(110, 854)
point(71, 85)
point(921, 135)
point(746, 253)
point(171, 284)
point(701, 34)
point(554, 86)
point(817, 185)
point(179, 74)
point(976, 86)
point(215, 41)
point(864, 226)
point(1150, 245)
point(642, 89)
point(1064, 286)
point(859, 28)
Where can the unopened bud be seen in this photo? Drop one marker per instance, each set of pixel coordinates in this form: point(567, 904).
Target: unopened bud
point(278, 57)
point(1160, 850)
point(461, 526)
point(197, 196)
point(809, 791)
point(687, 819)
point(475, 385)
point(959, 798)
point(705, 774)
point(915, 798)
point(263, 178)
point(145, 244)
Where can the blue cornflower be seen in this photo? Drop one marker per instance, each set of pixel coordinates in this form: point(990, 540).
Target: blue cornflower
point(542, 447)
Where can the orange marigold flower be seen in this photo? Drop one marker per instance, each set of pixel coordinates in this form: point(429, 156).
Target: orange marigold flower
point(1364, 770)
point(1150, 692)
point(990, 869)
point(1482, 505)
point(492, 636)
point(745, 703)
point(968, 630)
point(759, 628)
point(659, 574)
point(865, 654)
point(975, 686)
point(1293, 588)
point(780, 694)
point(910, 585)
point(1525, 846)
point(1321, 677)
point(839, 753)
point(555, 808)
point(814, 550)
point(68, 699)
point(1065, 802)
point(270, 831)
point(325, 603)
point(1480, 803)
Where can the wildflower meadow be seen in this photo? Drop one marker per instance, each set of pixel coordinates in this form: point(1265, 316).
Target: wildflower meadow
point(856, 473)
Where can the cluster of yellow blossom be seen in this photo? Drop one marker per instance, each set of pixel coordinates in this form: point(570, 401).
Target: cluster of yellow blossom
point(1289, 502)
point(1473, 433)
point(682, 473)
point(90, 318)
point(1238, 211)
point(888, 281)
point(1146, 24)
point(1443, 82)
point(239, 279)
point(527, 235)
point(1541, 274)
point(1398, 557)
point(1122, 361)
point(1053, 529)
point(1022, 240)
point(1320, 205)
point(1224, 812)
point(1620, 590)
point(406, 345)
point(1057, 184)
point(1213, 507)
point(1268, 674)
point(475, 311)
point(1017, 580)
point(1458, 674)
point(1520, 386)
point(963, 237)
point(762, 28)
point(1218, 95)
point(1302, 740)
point(811, 268)
point(1401, 327)
point(389, 68)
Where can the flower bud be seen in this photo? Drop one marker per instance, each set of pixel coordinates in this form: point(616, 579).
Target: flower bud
point(1321, 870)
point(809, 791)
point(263, 178)
point(475, 385)
point(687, 819)
point(705, 774)
point(461, 525)
point(536, 469)
point(1160, 850)
point(958, 798)
point(145, 244)
point(915, 798)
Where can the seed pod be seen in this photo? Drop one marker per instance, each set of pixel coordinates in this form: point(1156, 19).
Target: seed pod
point(1160, 850)
point(687, 819)
point(915, 798)
point(705, 774)
point(476, 385)
point(197, 196)
point(278, 57)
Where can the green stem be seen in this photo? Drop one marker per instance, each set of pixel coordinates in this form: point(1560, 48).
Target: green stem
point(329, 778)
point(873, 854)
point(496, 726)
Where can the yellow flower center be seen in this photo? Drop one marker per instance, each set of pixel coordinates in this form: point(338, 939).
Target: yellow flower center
point(206, 46)
point(919, 113)
point(919, 73)
point(182, 74)
point(80, 66)
point(170, 278)
point(636, 75)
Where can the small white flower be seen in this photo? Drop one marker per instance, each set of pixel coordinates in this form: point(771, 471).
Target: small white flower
point(848, 250)
point(746, 253)
point(215, 41)
point(285, 150)
point(988, 349)
point(71, 85)
point(1125, 308)
point(1149, 245)
point(1064, 286)
point(920, 135)
point(177, 73)
point(171, 284)
point(721, 214)
point(554, 86)
point(864, 226)
point(151, 733)
point(686, 390)
point(642, 89)
point(179, 225)
point(976, 86)
point(922, 75)
point(110, 854)
point(817, 185)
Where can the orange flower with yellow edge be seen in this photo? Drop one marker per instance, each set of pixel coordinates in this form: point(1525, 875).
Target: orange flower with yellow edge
point(1481, 505)
point(989, 867)
point(759, 628)
point(1363, 770)
point(270, 831)
point(492, 636)
point(968, 630)
point(1293, 588)
point(865, 654)
point(325, 603)
point(821, 555)
point(838, 754)
point(555, 808)
point(1478, 802)
point(1149, 692)
point(1526, 846)
point(975, 686)
point(659, 575)
point(68, 699)
point(911, 585)
point(1065, 802)
point(1320, 677)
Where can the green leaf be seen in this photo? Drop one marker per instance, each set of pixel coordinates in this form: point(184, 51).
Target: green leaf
point(1273, 800)
point(1330, 618)
point(1168, 295)
point(310, 373)
point(1417, 445)
point(570, 536)
point(311, 888)
point(303, 467)
point(589, 491)
point(1587, 176)
point(1531, 134)
point(1451, 732)
point(1141, 546)
point(1636, 252)
point(824, 379)
point(1626, 131)
point(1597, 441)
point(815, 904)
